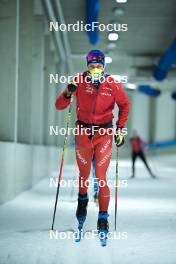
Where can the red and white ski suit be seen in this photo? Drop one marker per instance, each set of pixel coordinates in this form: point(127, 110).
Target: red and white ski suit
point(95, 106)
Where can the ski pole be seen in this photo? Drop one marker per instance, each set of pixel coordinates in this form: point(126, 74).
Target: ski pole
point(116, 188)
point(62, 161)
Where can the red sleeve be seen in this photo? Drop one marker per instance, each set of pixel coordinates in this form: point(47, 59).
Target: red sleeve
point(62, 102)
point(123, 103)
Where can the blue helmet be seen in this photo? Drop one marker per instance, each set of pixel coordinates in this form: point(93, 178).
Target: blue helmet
point(95, 56)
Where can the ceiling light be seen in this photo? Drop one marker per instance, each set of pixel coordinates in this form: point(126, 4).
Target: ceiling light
point(131, 86)
point(118, 11)
point(108, 59)
point(121, 1)
point(113, 36)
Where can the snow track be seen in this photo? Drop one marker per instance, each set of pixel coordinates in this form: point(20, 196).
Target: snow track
point(146, 214)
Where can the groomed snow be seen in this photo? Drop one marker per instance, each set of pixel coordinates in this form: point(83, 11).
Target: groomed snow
point(146, 213)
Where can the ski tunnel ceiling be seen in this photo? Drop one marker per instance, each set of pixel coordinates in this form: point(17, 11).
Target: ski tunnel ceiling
point(146, 52)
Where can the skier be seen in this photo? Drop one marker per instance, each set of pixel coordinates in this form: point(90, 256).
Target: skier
point(137, 147)
point(96, 94)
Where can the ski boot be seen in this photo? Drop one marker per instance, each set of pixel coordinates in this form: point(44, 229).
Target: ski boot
point(81, 214)
point(103, 227)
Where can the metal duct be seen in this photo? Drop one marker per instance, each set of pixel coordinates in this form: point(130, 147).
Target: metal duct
point(165, 63)
point(148, 90)
point(92, 10)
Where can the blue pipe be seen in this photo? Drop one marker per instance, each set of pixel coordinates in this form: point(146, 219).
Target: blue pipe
point(162, 144)
point(165, 63)
point(92, 10)
point(148, 90)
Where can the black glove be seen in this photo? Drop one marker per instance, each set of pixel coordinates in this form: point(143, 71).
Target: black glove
point(119, 138)
point(71, 88)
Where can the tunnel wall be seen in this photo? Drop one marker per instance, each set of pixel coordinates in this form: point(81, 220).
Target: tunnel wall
point(27, 57)
point(158, 122)
point(22, 166)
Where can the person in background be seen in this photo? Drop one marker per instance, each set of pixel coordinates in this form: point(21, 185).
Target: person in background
point(137, 150)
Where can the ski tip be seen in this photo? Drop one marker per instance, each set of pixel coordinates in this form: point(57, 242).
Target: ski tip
point(77, 240)
point(103, 242)
point(103, 237)
point(79, 233)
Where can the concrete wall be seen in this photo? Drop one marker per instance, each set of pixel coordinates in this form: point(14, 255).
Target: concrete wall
point(140, 106)
point(165, 118)
point(7, 69)
point(27, 56)
point(22, 166)
point(153, 118)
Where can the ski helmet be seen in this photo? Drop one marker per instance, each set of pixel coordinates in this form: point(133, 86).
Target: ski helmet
point(95, 56)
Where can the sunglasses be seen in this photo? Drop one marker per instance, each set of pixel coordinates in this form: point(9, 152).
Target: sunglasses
point(97, 57)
